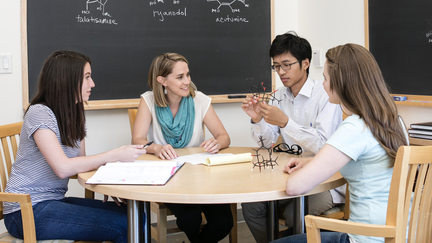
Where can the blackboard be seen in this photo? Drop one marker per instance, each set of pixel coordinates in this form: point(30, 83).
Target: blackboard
point(400, 38)
point(225, 42)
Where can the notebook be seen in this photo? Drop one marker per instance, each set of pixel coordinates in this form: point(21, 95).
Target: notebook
point(422, 125)
point(420, 136)
point(418, 131)
point(155, 173)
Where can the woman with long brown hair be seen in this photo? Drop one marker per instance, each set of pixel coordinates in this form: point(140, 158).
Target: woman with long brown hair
point(52, 148)
point(363, 148)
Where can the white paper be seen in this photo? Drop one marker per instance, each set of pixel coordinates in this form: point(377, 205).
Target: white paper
point(196, 159)
point(136, 173)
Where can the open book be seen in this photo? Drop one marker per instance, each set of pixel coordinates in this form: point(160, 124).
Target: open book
point(140, 172)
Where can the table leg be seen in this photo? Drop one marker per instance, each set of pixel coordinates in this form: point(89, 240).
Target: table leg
point(135, 221)
point(147, 229)
point(272, 221)
point(300, 209)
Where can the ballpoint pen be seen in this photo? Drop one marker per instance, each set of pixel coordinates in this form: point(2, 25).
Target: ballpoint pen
point(148, 144)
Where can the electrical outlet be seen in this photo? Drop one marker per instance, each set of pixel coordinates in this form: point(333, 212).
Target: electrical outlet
point(5, 63)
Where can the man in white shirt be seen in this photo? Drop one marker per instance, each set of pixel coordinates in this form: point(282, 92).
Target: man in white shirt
point(301, 114)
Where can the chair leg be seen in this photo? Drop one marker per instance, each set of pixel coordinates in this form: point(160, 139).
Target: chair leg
point(89, 194)
point(233, 234)
point(159, 233)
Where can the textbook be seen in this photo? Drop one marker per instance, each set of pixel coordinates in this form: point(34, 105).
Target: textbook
point(140, 172)
point(422, 125)
point(215, 159)
point(420, 136)
point(418, 131)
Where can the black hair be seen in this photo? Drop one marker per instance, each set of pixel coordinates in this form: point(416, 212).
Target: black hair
point(290, 42)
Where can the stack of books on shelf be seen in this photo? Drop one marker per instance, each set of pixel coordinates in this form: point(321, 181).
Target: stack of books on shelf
point(421, 130)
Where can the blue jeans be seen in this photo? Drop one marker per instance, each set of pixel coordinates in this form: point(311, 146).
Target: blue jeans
point(326, 237)
point(74, 219)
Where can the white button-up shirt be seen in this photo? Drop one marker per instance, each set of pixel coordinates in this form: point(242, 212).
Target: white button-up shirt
point(312, 118)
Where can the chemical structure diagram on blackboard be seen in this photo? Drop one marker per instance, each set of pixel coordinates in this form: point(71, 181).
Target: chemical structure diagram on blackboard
point(261, 162)
point(154, 2)
point(100, 5)
point(260, 93)
point(229, 4)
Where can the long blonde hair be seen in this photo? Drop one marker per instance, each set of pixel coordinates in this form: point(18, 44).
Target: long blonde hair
point(162, 65)
point(357, 79)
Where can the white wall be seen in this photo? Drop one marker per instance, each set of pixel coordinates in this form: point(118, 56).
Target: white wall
point(324, 23)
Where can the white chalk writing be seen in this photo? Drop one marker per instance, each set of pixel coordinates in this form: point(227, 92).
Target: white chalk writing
point(84, 19)
point(154, 2)
point(170, 13)
point(99, 5)
point(229, 4)
point(229, 19)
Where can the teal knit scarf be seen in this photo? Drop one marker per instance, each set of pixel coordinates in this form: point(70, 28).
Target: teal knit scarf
point(177, 131)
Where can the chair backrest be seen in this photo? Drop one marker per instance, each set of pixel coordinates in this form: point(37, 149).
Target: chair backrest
point(411, 188)
point(9, 135)
point(132, 115)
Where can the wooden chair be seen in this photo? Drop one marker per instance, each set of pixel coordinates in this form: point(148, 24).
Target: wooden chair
point(9, 135)
point(11, 132)
point(342, 212)
point(159, 232)
point(412, 179)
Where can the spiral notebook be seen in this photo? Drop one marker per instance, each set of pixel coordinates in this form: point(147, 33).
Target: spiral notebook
point(155, 173)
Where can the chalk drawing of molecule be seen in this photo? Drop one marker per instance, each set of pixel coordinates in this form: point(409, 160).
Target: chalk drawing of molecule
point(222, 3)
point(153, 2)
point(101, 7)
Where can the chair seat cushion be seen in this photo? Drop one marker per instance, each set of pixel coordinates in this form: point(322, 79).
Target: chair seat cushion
point(335, 209)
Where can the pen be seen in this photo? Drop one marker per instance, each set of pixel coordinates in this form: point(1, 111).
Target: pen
point(148, 144)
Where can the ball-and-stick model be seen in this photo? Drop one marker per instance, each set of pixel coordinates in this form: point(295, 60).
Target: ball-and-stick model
point(260, 93)
point(261, 161)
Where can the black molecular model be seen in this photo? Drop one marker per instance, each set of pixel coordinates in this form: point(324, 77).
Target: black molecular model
point(261, 162)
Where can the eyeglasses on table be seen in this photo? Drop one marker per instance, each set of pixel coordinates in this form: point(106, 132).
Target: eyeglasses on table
point(283, 147)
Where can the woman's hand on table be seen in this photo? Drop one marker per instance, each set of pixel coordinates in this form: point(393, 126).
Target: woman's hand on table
point(212, 146)
point(118, 201)
point(165, 152)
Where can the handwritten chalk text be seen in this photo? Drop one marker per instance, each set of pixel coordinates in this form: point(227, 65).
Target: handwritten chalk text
point(229, 19)
point(84, 19)
point(162, 14)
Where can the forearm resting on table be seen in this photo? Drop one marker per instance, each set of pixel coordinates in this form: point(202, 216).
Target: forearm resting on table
point(71, 166)
point(223, 140)
point(325, 164)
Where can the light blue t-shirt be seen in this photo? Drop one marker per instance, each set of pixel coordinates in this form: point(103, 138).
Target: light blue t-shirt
point(368, 173)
